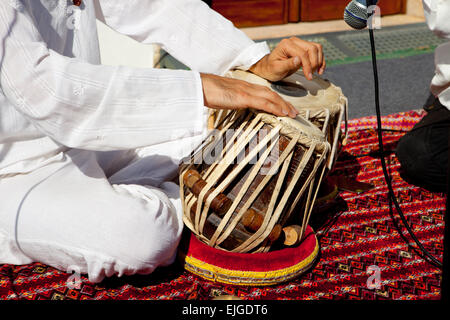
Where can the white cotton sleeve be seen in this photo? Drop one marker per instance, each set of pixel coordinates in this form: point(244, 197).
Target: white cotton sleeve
point(440, 85)
point(189, 30)
point(437, 13)
point(94, 107)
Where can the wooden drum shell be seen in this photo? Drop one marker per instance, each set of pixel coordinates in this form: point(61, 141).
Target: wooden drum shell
point(286, 195)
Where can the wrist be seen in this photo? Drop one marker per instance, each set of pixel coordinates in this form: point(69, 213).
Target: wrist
point(204, 78)
point(259, 67)
point(211, 88)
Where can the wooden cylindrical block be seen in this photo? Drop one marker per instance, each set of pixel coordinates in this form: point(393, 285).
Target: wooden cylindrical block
point(198, 186)
point(191, 177)
point(291, 235)
point(220, 204)
point(253, 220)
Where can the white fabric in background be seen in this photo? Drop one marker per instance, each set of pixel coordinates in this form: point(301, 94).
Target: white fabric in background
point(87, 152)
point(437, 13)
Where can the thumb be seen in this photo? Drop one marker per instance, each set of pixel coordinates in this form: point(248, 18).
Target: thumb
point(288, 66)
point(292, 64)
point(296, 62)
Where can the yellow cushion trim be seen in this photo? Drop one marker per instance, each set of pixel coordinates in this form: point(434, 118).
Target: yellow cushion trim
point(249, 278)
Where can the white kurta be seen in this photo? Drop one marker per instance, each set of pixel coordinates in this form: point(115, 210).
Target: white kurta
point(437, 13)
point(56, 95)
point(68, 198)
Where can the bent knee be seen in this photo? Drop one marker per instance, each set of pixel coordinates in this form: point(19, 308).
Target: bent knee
point(148, 243)
point(412, 153)
point(147, 234)
point(131, 253)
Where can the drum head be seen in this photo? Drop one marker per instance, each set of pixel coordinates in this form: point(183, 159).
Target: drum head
point(248, 269)
point(301, 92)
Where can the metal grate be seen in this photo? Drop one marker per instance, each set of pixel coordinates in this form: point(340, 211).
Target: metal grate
point(331, 51)
point(354, 46)
point(389, 41)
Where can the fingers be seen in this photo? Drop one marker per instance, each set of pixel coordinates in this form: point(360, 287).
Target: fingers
point(292, 64)
point(226, 93)
point(310, 54)
point(308, 67)
point(321, 59)
point(322, 68)
point(289, 55)
point(313, 54)
point(264, 99)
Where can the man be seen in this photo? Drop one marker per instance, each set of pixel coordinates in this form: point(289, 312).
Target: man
point(88, 152)
point(423, 152)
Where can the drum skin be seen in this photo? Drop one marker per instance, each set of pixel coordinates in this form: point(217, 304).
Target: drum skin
point(296, 89)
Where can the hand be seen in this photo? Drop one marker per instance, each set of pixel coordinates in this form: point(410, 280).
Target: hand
point(289, 55)
point(227, 93)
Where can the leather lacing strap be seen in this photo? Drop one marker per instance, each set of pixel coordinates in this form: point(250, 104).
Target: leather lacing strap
point(316, 150)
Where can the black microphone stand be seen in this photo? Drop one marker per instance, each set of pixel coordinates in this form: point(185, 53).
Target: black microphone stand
point(433, 260)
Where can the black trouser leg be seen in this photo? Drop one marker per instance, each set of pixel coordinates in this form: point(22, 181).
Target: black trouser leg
point(423, 152)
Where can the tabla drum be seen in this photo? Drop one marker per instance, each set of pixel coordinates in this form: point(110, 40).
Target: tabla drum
point(318, 101)
point(252, 179)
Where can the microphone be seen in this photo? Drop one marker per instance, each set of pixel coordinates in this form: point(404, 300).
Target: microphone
point(356, 14)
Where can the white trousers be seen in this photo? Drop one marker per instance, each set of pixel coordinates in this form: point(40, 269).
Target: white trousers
point(100, 213)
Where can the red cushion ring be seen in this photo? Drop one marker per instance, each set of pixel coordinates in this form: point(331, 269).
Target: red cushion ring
point(249, 269)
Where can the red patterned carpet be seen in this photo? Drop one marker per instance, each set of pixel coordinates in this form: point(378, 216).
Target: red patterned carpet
point(352, 239)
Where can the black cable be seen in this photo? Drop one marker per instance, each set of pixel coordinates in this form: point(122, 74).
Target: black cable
point(431, 258)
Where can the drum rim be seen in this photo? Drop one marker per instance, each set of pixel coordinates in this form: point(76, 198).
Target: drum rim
point(291, 126)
